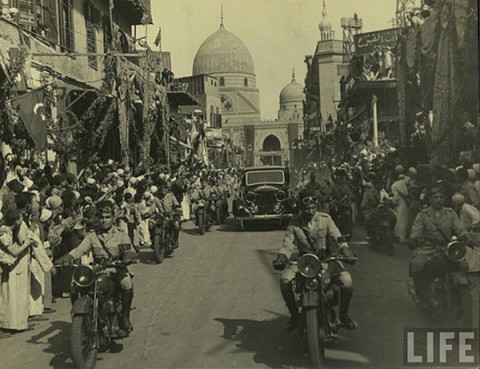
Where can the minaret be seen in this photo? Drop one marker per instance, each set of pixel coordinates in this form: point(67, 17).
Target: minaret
point(328, 56)
point(325, 26)
point(221, 17)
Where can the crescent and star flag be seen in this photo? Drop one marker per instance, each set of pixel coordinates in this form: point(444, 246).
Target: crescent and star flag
point(31, 110)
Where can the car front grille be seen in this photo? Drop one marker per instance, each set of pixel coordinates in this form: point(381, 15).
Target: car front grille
point(265, 202)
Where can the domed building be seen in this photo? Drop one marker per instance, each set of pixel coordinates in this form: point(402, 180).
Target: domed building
point(225, 61)
point(291, 101)
point(224, 56)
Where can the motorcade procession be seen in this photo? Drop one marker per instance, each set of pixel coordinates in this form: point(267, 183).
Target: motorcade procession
point(152, 221)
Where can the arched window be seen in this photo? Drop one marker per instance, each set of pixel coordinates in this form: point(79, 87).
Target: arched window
point(222, 81)
point(271, 143)
point(245, 82)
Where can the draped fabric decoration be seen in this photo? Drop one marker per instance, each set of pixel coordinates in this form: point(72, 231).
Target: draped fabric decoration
point(250, 144)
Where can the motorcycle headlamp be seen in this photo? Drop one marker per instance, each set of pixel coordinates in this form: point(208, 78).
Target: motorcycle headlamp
point(309, 265)
point(456, 251)
point(382, 210)
point(83, 276)
point(201, 203)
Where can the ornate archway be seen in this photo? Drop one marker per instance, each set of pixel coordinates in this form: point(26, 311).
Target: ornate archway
point(271, 143)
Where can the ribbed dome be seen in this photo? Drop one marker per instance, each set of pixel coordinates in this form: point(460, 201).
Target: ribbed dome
point(223, 52)
point(292, 92)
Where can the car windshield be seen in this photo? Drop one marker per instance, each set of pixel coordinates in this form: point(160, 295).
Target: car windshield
point(265, 176)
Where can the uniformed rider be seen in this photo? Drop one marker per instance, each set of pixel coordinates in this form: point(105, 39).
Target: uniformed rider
point(308, 232)
point(167, 206)
point(432, 230)
point(109, 242)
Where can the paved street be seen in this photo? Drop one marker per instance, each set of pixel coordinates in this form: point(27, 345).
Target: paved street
point(216, 304)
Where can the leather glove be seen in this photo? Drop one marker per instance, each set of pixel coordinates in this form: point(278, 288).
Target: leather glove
point(129, 257)
point(348, 254)
point(280, 263)
point(65, 259)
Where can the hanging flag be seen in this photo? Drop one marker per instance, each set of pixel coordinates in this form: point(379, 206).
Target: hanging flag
point(158, 39)
point(31, 110)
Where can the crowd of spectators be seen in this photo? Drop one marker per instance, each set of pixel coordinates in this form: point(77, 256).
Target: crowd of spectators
point(46, 213)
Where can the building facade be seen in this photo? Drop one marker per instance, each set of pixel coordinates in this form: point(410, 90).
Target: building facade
point(226, 58)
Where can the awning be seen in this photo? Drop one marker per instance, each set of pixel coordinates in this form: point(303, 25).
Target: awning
point(178, 98)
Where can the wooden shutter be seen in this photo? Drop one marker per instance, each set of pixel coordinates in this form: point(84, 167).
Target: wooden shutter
point(66, 24)
point(50, 19)
point(91, 34)
point(26, 12)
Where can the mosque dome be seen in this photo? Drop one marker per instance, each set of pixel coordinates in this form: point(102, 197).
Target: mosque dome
point(223, 52)
point(293, 92)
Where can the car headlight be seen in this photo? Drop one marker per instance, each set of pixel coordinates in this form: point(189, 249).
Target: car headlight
point(309, 265)
point(277, 208)
point(250, 196)
point(281, 195)
point(83, 276)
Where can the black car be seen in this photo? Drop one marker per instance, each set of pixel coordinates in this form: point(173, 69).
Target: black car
point(264, 194)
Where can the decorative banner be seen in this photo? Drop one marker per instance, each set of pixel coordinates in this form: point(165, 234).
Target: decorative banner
point(31, 110)
point(365, 43)
point(250, 144)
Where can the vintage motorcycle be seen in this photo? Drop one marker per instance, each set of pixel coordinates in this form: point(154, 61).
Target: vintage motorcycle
point(203, 218)
point(96, 310)
point(449, 292)
point(317, 298)
point(382, 231)
point(163, 237)
point(342, 214)
point(216, 208)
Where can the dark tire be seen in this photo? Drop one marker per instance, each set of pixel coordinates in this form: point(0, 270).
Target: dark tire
point(201, 223)
point(168, 243)
point(218, 216)
point(316, 339)
point(464, 305)
point(84, 356)
point(390, 246)
point(158, 249)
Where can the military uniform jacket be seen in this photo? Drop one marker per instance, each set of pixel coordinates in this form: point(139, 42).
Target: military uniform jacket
point(102, 245)
point(295, 242)
point(430, 224)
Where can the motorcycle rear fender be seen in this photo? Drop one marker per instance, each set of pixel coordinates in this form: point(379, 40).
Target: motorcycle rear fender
point(310, 299)
point(82, 305)
point(459, 279)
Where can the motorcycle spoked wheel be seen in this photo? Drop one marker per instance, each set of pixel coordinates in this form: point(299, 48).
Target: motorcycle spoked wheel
point(201, 223)
point(463, 307)
point(315, 338)
point(218, 216)
point(168, 243)
point(158, 248)
point(84, 356)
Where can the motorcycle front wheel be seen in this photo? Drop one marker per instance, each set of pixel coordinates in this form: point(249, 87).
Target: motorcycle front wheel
point(218, 216)
point(201, 223)
point(158, 248)
point(84, 354)
point(315, 338)
point(464, 306)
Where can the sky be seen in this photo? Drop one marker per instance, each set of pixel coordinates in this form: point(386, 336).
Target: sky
point(278, 33)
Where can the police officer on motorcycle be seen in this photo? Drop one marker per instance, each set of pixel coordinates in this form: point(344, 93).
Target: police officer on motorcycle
point(435, 227)
point(168, 204)
point(308, 232)
point(109, 242)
